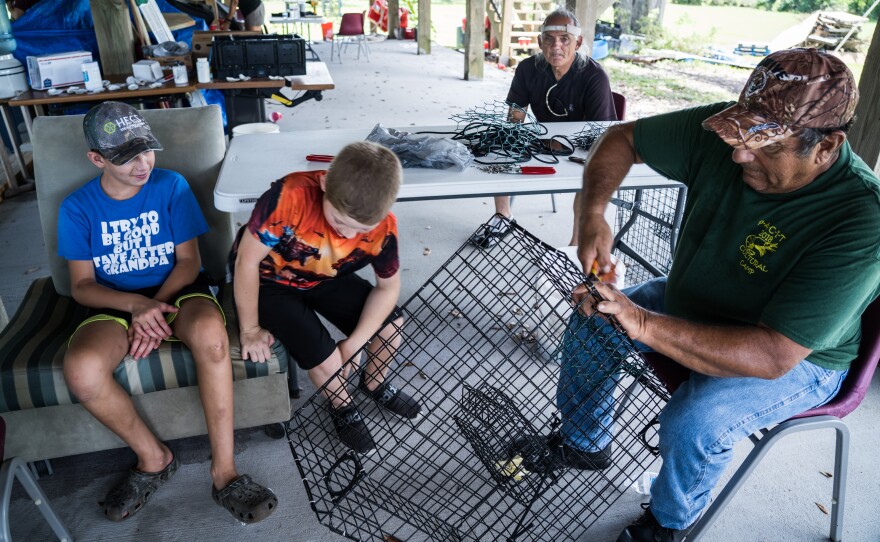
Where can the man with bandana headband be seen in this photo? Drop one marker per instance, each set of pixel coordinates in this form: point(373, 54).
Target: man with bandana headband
point(559, 85)
point(778, 257)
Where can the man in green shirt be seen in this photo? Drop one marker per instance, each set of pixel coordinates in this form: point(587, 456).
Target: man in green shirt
point(778, 257)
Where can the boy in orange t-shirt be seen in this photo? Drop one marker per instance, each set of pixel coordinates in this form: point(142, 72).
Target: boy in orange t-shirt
point(296, 258)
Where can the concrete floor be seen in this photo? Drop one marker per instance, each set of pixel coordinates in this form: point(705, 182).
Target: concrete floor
point(399, 88)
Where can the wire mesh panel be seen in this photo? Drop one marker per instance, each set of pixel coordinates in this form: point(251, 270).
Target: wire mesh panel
point(647, 224)
point(490, 134)
point(493, 348)
point(590, 133)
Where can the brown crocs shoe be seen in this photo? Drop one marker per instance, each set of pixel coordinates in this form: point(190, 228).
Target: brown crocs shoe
point(132, 494)
point(246, 500)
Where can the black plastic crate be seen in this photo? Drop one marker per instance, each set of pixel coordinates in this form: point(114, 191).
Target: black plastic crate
point(258, 56)
point(482, 342)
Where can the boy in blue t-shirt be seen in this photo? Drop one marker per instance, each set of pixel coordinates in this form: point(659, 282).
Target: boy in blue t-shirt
point(130, 236)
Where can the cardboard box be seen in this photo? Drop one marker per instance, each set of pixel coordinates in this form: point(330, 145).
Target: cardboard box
point(57, 70)
point(202, 40)
point(146, 70)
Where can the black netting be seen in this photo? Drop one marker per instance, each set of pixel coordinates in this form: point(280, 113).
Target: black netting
point(492, 137)
point(495, 140)
point(484, 345)
point(586, 136)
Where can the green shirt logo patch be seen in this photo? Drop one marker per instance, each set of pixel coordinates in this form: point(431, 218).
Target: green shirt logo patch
point(758, 246)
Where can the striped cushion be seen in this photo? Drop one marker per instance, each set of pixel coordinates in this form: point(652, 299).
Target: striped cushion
point(33, 344)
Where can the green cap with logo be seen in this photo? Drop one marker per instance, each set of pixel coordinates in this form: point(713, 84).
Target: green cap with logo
point(118, 132)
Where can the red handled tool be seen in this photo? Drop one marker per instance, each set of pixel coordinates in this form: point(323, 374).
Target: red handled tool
point(537, 170)
point(319, 157)
point(513, 168)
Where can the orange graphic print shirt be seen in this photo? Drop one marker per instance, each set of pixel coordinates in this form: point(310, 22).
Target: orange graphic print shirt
point(306, 250)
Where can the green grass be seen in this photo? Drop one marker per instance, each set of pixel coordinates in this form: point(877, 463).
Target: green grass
point(727, 26)
point(647, 81)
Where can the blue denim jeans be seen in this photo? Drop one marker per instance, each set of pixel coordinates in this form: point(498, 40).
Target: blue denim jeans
point(704, 418)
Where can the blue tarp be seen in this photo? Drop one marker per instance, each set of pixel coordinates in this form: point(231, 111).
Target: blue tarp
point(57, 26)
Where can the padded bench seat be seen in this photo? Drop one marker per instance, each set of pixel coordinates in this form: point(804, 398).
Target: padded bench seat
point(32, 351)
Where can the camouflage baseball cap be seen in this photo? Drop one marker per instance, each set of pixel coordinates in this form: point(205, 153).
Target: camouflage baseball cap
point(118, 132)
point(788, 91)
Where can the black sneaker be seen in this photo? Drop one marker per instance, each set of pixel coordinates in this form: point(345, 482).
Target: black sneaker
point(275, 431)
point(393, 400)
point(581, 460)
point(647, 529)
point(489, 234)
point(351, 429)
point(544, 454)
point(573, 458)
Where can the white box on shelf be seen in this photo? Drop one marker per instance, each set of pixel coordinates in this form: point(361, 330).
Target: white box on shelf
point(57, 70)
point(147, 70)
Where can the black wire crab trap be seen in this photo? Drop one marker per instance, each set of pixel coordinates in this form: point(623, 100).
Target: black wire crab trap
point(483, 345)
point(647, 224)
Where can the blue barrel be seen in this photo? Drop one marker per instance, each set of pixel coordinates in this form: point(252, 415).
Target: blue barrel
point(600, 49)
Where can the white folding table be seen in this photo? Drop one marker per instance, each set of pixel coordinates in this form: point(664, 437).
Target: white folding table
point(254, 161)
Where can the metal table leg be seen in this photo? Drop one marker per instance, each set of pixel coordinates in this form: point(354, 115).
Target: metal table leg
point(27, 184)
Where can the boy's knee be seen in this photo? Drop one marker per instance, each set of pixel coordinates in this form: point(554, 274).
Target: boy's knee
point(391, 329)
point(330, 364)
point(84, 375)
point(205, 330)
point(212, 340)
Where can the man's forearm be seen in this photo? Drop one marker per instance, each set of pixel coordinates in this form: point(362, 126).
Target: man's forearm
point(612, 157)
point(724, 351)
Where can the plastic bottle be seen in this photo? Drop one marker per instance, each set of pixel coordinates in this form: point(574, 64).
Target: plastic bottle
point(92, 76)
point(203, 70)
point(643, 484)
point(180, 77)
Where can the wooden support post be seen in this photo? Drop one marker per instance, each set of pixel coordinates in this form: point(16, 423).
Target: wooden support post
point(393, 19)
point(424, 45)
point(504, 48)
point(474, 36)
point(587, 11)
point(494, 22)
point(115, 38)
point(865, 134)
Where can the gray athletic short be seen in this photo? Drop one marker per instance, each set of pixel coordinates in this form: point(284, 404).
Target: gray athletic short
point(256, 17)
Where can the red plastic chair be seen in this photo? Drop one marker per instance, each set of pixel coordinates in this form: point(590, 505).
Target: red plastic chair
point(827, 416)
point(13, 469)
point(351, 29)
